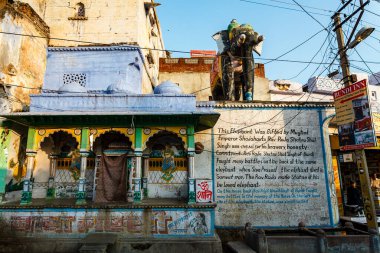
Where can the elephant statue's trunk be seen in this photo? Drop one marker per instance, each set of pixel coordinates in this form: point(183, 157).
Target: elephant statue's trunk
point(241, 39)
point(248, 71)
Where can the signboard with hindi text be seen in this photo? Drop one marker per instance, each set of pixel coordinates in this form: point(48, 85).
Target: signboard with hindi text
point(353, 117)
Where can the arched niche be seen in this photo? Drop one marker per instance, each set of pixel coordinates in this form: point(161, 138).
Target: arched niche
point(168, 165)
point(111, 140)
point(59, 143)
point(157, 142)
point(115, 166)
point(148, 133)
point(42, 133)
point(80, 10)
point(58, 147)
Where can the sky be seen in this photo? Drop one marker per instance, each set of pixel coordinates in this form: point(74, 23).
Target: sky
point(189, 24)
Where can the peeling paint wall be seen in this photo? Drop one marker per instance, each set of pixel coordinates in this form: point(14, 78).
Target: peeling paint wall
point(156, 223)
point(22, 59)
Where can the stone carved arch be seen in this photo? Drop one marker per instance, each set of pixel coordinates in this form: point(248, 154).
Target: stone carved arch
point(158, 141)
point(42, 133)
point(149, 132)
point(60, 142)
point(111, 139)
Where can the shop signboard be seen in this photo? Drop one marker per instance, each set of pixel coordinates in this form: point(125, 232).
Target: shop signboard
point(353, 117)
point(376, 122)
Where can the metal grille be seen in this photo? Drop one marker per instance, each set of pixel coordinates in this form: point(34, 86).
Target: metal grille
point(179, 177)
point(66, 186)
point(64, 176)
point(80, 78)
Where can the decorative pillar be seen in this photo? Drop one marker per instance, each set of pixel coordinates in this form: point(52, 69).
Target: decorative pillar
point(145, 176)
point(84, 152)
point(137, 180)
point(138, 167)
point(51, 182)
point(190, 154)
point(26, 197)
point(130, 167)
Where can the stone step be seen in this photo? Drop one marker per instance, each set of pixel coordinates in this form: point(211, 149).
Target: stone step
point(239, 247)
point(93, 248)
point(100, 238)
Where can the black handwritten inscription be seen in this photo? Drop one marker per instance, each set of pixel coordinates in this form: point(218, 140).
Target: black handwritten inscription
point(269, 167)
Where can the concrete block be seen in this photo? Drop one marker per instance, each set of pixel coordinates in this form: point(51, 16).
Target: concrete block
point(93, 249)
point(239, 247)
point(100, 238)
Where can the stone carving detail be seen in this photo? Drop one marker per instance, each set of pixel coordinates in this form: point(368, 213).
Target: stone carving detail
point(80, 78)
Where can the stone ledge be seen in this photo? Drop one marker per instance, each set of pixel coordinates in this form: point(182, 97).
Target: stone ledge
point(77, 18)
point(70, 203)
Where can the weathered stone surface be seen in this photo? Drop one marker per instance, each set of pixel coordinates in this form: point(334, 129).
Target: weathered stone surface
point(22, 59)
point(239, 247)
point(93, 249)
point(100, 238)
point(105, 23)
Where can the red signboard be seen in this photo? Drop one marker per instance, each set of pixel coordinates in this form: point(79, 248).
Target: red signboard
point(202, 53)
point(353, 117)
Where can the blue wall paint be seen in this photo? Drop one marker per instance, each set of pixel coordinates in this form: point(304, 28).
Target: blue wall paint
point(321, 122)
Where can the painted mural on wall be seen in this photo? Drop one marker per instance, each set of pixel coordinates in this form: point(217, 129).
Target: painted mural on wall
point(12, 160)
point(158, 222)
point(168, 172)
point(269, 170)
point(168, 165)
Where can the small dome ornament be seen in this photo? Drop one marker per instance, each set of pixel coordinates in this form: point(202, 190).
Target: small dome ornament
point(119, 87)
point(168, 88)
point(73, 87)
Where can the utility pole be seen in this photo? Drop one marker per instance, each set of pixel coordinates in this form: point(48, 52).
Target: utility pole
point(361, 162)
point(344, 64)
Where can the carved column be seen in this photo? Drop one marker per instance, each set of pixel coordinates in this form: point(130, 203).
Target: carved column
point(138, 165)
point(190, 154)
point(137, 180)
point(26, 197)
point(130, 168)
point(145, 176)
point(52, 173)
point(84, 152)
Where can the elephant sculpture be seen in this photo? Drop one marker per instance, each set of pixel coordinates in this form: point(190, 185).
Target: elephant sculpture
point(233, 70)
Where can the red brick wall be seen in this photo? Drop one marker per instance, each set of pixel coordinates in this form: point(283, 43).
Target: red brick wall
point(202, 65)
